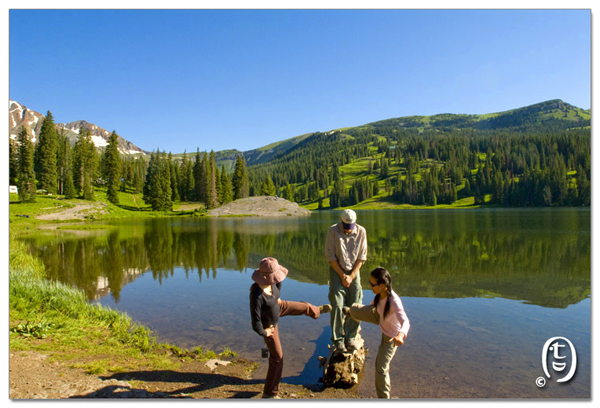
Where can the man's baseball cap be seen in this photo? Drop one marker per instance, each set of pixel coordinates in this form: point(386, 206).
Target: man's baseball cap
point(348, 219)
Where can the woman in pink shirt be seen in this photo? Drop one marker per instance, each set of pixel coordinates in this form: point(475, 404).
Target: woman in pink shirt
point(387, 311)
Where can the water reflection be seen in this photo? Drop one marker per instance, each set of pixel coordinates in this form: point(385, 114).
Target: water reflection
point(540, 257)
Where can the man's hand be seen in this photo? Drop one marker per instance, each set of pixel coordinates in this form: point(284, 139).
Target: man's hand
point(270, 331)
point(347, 280)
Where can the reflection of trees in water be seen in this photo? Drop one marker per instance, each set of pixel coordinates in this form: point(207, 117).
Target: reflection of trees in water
point(449, 258)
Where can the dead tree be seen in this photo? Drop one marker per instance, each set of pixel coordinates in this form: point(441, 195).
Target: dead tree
point(341, 370)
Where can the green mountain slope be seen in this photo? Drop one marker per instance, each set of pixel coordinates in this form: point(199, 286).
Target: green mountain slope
point(535, 155)
point(544, 113)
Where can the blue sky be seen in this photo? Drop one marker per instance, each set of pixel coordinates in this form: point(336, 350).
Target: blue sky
point(224, 79)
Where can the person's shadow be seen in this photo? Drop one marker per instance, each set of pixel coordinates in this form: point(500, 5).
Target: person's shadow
point(202, 381)
point(311, 376)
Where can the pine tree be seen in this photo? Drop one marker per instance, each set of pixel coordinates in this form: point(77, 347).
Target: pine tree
point(227, 192)
point(183, 178)
point(65, 167)
point(85, 163)
point(267, 188)
point(218, 184)
point(138, 176)
point(288, 194)
point(46, 150)
point(25, 171)
point(113, 167)
point(174, 179)
point(212, 200)
point(187, 183)
point(385, 169)
point(240, 181)
point(157, 191)
point(150, 172)
point(200, 177)
point(13, 168)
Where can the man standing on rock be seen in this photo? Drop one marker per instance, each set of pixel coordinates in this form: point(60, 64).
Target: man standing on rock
point(346, 251)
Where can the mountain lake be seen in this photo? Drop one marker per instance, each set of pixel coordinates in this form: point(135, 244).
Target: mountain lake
point(484, 290)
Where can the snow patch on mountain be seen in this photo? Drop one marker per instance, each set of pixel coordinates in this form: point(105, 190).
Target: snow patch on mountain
point(21, 117)
point(99, 141)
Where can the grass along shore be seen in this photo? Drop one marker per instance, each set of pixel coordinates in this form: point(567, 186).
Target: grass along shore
point(57, 320)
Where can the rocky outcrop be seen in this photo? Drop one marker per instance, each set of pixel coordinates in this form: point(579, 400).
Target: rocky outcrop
point(261, 206)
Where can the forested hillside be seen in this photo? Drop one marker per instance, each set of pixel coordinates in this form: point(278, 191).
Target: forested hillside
point(538, 155)
point(534, 156)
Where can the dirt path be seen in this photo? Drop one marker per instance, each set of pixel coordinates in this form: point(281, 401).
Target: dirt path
point(135, 201)
point(34, 375)
point(79, 212)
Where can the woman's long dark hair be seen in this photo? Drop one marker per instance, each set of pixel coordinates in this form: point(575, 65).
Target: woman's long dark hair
point(382, 276)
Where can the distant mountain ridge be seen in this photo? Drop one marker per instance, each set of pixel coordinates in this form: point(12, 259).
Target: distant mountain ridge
point(553, 111)
point(21, 116)
point(549, 111)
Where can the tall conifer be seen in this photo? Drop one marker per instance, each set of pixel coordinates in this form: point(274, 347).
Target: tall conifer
point(85, 163)
point(227, 192)
point(25, 172)
point(240, 182)
point(46, 155)
point(113, 167)
point(211, 180)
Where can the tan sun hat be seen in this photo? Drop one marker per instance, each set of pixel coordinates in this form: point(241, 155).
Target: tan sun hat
point(269, 272)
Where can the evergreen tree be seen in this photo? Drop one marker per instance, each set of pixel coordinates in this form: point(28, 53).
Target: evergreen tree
point(150, 173)
point(212, 200)
point(45, 156)
point(187, 183)
point(65, 167)
point(174, 179)
point(138, 174)
point(200, 178)
point(240, 181)
point(584, 187)
point(25, 171)
point(288, 192)
point(267, 188)
point(113, 166)
point(337, 196)
point(218, 185)
point(159, 184)
point(385, 169)
point(388, 186)
point(85, 163)
point(13, 168)
point(227, 192)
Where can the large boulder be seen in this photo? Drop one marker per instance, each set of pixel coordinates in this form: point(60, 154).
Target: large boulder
point(260, 206)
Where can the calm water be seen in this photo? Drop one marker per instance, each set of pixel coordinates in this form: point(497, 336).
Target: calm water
point(484, 290)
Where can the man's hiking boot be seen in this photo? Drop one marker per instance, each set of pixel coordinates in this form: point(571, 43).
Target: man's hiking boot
point(352, 345)
point(325, 308)
point(270, 396)
point(341, 348)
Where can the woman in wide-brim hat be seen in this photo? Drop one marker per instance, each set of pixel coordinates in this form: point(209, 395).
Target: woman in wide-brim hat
point(266, 307)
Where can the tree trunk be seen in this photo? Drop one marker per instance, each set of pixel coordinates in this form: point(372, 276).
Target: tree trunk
point(342, 370)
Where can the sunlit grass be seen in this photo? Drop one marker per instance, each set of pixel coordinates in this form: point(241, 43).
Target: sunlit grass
point(89, 336)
